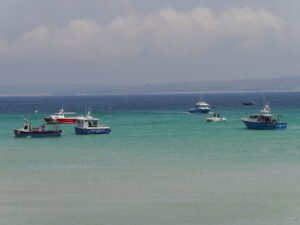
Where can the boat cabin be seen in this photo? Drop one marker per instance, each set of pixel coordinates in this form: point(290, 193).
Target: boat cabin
point(61, 113)
point(266, 118)
point(88, 122)
point(202, 105)
point(27, 127)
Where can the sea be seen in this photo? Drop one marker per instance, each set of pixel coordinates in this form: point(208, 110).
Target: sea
point(159, 166)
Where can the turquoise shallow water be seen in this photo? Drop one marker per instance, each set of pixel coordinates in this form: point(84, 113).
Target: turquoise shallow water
point(156, 167)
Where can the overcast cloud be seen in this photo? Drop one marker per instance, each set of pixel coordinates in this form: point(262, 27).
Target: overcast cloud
point(125, 42)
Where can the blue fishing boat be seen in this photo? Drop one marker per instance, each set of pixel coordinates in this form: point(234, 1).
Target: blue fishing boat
point(200, 107)
point(265, 122)
point(90, 125)
point(29, 131)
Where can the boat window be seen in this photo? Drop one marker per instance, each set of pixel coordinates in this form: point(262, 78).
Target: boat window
point(95, 123)
point(267, 119)
point(253, 117)
point(26, 127)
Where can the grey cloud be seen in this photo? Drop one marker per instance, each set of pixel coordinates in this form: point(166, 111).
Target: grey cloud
point(168, 33)
point(117, 7)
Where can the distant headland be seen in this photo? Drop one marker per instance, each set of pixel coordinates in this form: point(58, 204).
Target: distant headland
point(247, 85)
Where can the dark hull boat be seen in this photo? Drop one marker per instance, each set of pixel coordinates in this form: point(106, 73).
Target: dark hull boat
point(37, 133)
point(249, 103)
point(98, 130)
point(29, 131)
point(199, 111)
point(265, 126)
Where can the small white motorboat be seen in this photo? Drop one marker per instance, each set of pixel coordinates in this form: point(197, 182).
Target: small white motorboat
point(215, 118)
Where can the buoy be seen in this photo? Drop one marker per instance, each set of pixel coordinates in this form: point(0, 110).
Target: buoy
point(19, 132)
point(40, 131)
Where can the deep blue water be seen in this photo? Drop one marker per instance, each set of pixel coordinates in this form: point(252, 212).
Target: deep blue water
point(127, 103)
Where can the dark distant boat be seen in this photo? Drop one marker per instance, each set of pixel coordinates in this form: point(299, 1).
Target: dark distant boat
point(265, 122)
point(251, 102)
point(29, 131)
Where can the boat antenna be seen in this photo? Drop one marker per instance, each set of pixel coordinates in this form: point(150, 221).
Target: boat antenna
point(85, 108)
point(27, 118)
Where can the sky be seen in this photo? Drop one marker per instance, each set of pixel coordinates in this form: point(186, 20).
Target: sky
point(137, 42)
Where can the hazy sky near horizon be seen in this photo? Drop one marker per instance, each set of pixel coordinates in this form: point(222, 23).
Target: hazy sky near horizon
point(130, 42)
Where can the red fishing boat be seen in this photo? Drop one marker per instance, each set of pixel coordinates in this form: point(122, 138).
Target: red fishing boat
point(59, 118)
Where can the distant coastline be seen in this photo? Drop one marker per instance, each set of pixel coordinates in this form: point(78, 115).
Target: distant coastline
point(196, 92)
point(152, 93)
point(25, 95)
point(289, 84)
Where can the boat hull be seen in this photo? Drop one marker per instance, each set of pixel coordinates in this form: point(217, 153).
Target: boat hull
point(215, 119)
point(249, 103)
point(37, 134)
point(50, 120)
point(265, 126)
point(198, 111)
point(103, 130)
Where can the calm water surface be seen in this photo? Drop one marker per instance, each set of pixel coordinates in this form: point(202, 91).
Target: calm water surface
point(159, 165)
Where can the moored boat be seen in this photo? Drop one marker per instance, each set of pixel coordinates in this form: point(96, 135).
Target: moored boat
point(59, 118)
point(251, 102)
point(266, 109)
point(216, 118)
point(89, 125)
point(200, 107)
point(265, 122)
point(29, 131)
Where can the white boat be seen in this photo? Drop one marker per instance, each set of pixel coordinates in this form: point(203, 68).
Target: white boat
point(89, 125)
point(200, 107)
point(215, 118)
point(266, 109)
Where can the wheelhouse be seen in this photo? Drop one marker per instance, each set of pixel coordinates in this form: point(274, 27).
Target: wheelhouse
point(267, 118)
point(88, 122)
point(27, 126)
